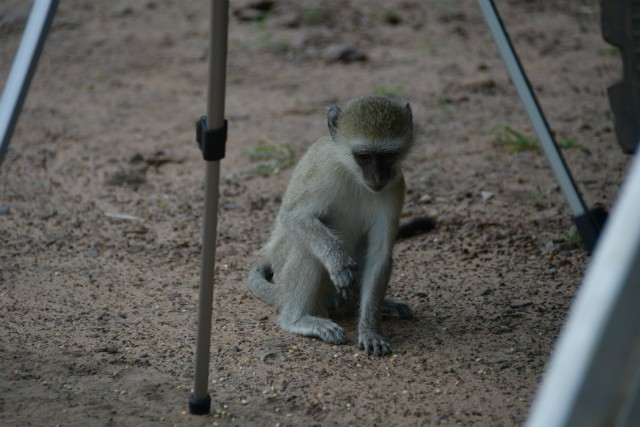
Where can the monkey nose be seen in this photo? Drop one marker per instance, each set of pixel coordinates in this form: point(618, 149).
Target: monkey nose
point(377, 186)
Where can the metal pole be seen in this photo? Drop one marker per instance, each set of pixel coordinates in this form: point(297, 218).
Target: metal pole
point(531, 106)
point(200, 401)
point(23, 68)
point(587, 222)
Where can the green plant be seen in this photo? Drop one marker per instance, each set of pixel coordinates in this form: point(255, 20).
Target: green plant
point(273, 45)
point(388, 91)
point(608, 51)
point(515, 141)
point(512, 140)
point(430, 48)
point(568, 143)
point(572, 236)
point(541, 197)
point(273, 158)
point(270, 158)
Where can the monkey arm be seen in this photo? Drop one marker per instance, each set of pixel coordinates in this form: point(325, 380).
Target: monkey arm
point(375, 279)
point(310, 232)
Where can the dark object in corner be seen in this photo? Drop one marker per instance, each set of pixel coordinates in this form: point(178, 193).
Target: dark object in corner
point(621, 28)
point(415, 226)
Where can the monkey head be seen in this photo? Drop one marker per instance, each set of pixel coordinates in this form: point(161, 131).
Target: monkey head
point(374, 134)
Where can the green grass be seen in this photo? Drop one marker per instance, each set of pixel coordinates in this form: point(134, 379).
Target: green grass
point(430, 48)
point(541, 197)
point(273, 45)
point(572, 236)
point(608, 51)
point(512, 140)
point(388, 91)
point(568, 143)
point(269, 158)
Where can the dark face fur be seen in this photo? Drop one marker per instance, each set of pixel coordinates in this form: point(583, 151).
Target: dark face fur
point(377, 167)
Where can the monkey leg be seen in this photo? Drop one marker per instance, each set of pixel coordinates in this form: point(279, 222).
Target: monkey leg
point(303, 278)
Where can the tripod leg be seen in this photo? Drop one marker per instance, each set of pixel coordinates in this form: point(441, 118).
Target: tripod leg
point(587, 222)
point(200, 401)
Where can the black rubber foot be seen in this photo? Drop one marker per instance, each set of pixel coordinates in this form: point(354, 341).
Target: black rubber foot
point(199, 406)
point(589, 226)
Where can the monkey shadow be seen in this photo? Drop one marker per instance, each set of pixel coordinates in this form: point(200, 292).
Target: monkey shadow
point(403, 334)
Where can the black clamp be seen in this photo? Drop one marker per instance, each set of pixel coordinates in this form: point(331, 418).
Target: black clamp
point(212, 142)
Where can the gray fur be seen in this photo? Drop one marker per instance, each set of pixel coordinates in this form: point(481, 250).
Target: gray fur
point(333, 237)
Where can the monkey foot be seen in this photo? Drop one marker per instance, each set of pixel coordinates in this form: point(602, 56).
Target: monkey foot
point(373, 343)
point(314, 326)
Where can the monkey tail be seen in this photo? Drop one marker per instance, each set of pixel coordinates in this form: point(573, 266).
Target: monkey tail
point(260, 283)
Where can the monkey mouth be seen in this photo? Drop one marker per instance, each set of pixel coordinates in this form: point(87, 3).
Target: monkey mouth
point(377, 187)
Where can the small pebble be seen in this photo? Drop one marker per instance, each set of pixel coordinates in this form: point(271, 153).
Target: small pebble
point(425, 199)
point(486, 195)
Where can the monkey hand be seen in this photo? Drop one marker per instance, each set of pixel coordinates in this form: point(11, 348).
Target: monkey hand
point(374, 343)
point(344, 278)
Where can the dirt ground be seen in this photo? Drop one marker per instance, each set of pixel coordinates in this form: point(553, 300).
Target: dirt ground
point(101, 198)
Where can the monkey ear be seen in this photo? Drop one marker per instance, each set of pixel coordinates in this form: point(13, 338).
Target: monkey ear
point(409, 112)
point(332, 120)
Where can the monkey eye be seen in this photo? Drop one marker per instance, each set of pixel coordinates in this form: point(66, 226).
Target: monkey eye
point(363, 157)
point(389, 157)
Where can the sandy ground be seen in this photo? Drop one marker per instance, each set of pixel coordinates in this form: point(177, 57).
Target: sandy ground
point(101, 200)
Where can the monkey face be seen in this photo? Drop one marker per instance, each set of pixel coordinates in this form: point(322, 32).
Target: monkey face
point(377, 167)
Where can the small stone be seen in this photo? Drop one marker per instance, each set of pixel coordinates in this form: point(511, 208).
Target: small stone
point(425, 198)
point(122, 11)
point(252, 10)
point(486, 195)
point(343, 53)
point(91, 253)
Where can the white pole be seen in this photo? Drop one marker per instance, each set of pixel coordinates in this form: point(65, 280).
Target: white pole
point(23, 68)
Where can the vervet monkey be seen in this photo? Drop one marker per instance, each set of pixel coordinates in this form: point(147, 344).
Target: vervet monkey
point(332, 242)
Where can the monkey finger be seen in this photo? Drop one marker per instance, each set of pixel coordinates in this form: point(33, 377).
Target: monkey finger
point(345, 292)
point(345, 278)
point(374, 344)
